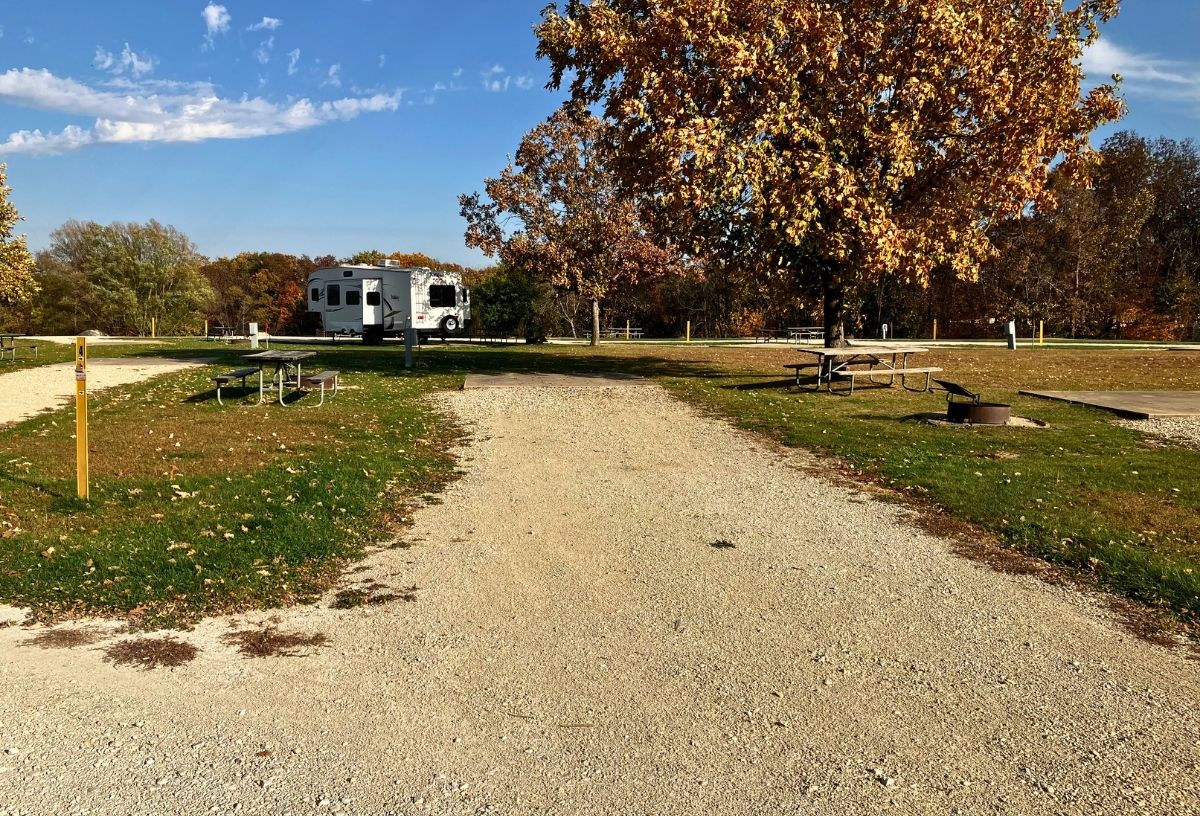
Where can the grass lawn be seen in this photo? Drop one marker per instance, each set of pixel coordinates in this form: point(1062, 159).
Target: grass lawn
point(198, 509)
point(1084, 492)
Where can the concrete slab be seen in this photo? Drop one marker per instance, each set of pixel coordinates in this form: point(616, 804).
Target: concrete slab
point(1131, 404)
point(540, 380)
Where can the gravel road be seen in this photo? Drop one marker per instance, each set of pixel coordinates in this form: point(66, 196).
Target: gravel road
point(27, 392)
point(576, 645)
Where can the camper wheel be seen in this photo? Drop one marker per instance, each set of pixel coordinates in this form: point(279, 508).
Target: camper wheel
point(449, 325)
point(373, 336)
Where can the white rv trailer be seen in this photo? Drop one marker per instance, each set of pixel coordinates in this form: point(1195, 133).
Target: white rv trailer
point(378, 301)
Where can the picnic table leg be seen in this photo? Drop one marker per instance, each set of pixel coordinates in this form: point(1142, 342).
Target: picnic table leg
point(260, 386)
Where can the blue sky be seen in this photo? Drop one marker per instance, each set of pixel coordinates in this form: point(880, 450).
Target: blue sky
point(315, 126)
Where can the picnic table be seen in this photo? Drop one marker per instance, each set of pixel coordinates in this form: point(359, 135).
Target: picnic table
point(799, 333)
point(880, 361)
point(287, 369)
point(9, 345)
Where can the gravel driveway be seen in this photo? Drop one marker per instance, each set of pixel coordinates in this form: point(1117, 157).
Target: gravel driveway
point(576, 645)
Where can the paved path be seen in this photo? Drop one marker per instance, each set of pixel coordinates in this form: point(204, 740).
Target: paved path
point(1132, 404)
point(577, 645)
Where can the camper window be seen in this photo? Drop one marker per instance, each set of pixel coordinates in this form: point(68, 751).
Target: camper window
point(466, 295)
point(373, 298)
point(316, 294)
point(441, 296)
point(353, 297)
point(333, 295)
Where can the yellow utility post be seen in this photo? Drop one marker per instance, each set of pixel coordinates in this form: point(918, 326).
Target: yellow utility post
point(935, 328)
point(154, 327)
point(1041, 332)
point(689, 332)
point(626, 329)
point(81, 418)
point(206, 328)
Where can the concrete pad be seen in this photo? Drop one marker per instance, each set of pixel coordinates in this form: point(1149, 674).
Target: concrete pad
point(1131, 404)
point(540, 380)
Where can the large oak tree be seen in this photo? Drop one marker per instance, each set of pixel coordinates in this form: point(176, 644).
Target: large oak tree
point(835, 139)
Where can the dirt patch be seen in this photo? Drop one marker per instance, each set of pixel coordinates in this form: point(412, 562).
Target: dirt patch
point(272, 642)
point(151, 653)
point(65, 638)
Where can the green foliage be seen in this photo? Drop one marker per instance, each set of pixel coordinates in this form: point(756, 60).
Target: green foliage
point(506, 302)
point(17, 284)
point(119, 278)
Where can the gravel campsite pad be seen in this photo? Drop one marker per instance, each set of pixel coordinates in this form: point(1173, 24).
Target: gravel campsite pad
point(626, 607)
point(30, 391)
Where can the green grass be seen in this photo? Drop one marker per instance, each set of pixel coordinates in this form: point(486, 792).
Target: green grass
point(197, 509)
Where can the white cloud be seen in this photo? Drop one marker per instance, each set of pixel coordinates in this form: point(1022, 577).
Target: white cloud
point(457, 73)
point(128, 60)
point(382, 60)
point(263, 52)
point(266, 24)
point(334, 77)
point(293, 60)
point(497, 80)
point(1143, 74)
point(141, 113)
point(216, 21)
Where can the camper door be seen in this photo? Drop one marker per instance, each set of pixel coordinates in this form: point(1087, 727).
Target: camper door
point(372, 302)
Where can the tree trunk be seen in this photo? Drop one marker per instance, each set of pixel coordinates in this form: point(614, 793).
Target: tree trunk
point(835, 306)
point(595, 322)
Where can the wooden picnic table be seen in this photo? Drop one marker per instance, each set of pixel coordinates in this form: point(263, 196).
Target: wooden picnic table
point(287, 369)
point(880, 360)
point(9, 346)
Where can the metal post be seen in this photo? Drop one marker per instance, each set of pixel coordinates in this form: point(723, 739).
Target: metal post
point(935, 328)
point(154, 327)
point(1041, 332)
point(81, 418)
point(409, 337)
point(626, 329)
point(689, 331)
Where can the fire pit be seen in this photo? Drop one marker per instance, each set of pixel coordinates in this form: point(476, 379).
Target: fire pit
point(965, 407)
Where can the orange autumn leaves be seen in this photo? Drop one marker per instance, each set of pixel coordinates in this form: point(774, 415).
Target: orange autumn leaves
point(866, 135)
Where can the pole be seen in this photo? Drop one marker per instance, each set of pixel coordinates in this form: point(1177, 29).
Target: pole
point(154, 327)
point(408, 345)
point(689, 332)
point(935, 328)
point(1041, 332)
point(626, 329)
point(81, 418)
point(206, 328)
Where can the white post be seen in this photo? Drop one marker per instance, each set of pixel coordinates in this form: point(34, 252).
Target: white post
point(885, 330)
point(1012, 334)
point(253, 335)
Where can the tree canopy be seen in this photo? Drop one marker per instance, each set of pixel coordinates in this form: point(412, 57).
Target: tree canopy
point(558, 213)
point(120, 277)
point(17, 284)
point(838, 139)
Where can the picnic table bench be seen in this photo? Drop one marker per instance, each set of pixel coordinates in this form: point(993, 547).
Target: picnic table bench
point(835, 363)
point(9, 345)
point(240, 374)
point(321, 380)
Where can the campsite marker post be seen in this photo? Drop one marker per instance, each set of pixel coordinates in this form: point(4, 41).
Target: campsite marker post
point(689, 331)
point(81, 418)
point(935, 328)
point(1041, 332)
